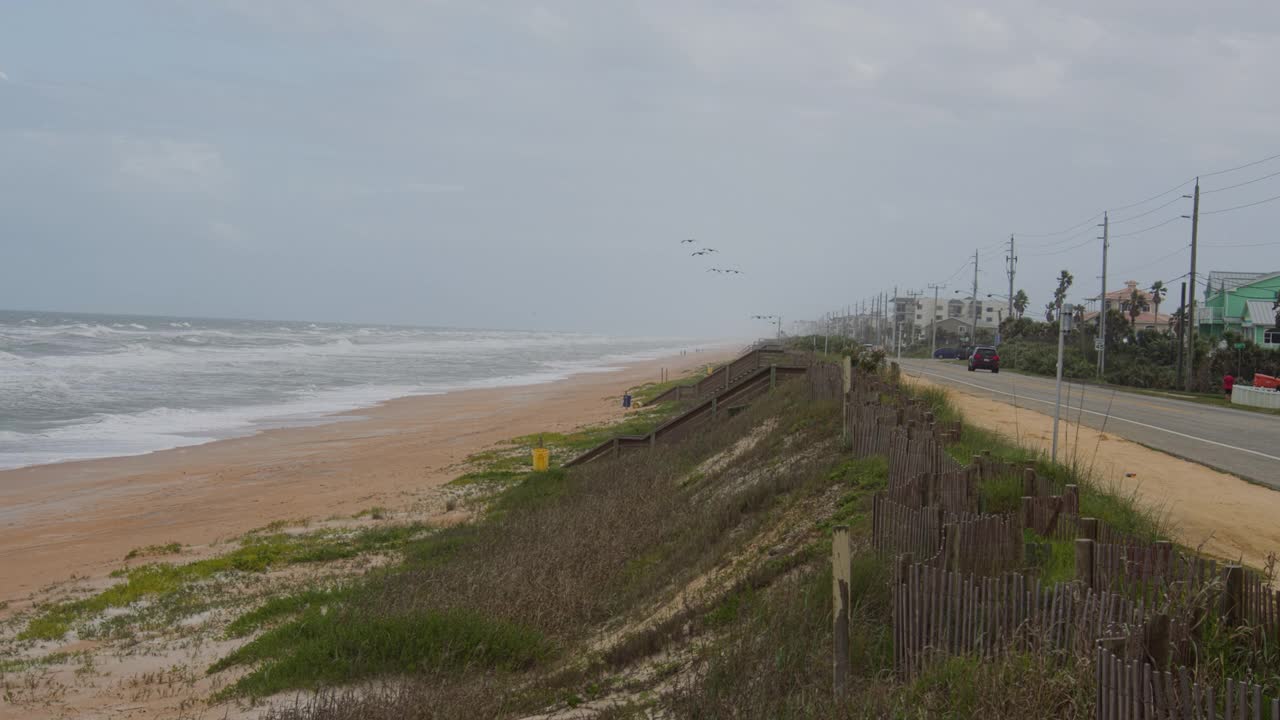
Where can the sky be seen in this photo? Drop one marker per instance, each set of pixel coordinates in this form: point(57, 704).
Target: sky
point(535, 165)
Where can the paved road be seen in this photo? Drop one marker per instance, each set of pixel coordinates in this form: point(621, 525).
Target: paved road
point(1237, 441)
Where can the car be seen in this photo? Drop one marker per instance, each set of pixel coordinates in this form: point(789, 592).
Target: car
point(987, 358)
point(946, 353)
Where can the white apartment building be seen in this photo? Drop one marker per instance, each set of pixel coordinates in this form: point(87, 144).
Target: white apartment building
point(990, 312)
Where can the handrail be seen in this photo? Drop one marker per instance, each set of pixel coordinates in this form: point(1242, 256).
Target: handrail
point(758, 379)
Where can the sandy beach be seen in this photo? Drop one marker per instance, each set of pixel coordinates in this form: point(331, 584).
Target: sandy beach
point(81, 518)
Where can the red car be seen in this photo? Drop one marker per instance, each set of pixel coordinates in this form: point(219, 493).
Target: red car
point(986, 358)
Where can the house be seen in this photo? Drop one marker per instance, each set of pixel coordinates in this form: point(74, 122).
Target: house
point(1242, 303)
point(1121, 300)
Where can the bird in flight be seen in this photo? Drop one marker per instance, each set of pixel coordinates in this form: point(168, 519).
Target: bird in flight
point(735, 272)
point(700, 252)
point(688, 240)
point(714, 270)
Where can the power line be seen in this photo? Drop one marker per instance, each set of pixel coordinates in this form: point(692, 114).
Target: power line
point(1157, 196)
point(1154, 209)
point(1179, 186)
point(1240, 207)
point(1160, 259)
point(1063, 250)
point(954, 274)
point(1246, 182)
point(1240, 167)
point(1230, 245)
point(1075, 227)
point(1148, 229)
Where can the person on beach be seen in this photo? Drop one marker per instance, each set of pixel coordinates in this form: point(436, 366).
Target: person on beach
point(1228, 382)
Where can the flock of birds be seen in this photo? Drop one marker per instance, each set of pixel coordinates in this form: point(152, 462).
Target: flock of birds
point(708, 251)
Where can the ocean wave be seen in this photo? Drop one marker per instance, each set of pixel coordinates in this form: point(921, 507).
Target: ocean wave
point(95, 386)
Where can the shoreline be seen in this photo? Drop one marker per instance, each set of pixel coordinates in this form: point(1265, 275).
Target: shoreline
point(73, 519)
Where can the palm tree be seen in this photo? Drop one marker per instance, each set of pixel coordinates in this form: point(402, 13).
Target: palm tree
point(1049, 310)
point(1020, 302)
point(1064, 283)
point(1158, 291)
point(1137, 305)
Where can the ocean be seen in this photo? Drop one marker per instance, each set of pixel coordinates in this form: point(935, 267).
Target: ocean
point(78, 386)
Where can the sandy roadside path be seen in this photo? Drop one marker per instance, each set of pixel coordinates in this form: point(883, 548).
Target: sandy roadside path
point(81, 518)
point(1234, 519)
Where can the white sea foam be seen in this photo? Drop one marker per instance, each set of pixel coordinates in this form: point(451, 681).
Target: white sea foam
point(95, 386)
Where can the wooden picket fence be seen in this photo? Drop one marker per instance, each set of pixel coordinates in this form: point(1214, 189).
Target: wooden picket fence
point(869, 428)
point(985, 545)
point(898, 529)
point(964, 582)
point(1135, 690)
point(1053, 516)
point(955, 491)
point(937, 614)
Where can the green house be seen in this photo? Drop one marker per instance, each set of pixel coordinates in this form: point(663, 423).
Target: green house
point(1243, 303)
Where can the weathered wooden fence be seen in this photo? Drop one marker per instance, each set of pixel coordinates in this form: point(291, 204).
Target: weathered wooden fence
point(965, 582)
point(1135, 690)
point(937, 613)
point(898, 529)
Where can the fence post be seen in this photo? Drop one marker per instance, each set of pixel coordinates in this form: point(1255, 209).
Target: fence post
point(1028, 512)
point(1155, 640)
point(951, 547)
point(976, 462)
point(1087, 527)
point(1233, 594)
point(1029, 482)
point(1084, 561)
point(1072, 492)
point(840, 578)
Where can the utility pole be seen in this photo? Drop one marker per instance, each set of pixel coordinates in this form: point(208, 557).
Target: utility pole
point(1192, 327)
point(973, 338)
point(1102, 299)
point(933, 321)
point(1012, 261)
point(880, 319)
point(1182, 313)
point(1064, 324)
point(897, 338)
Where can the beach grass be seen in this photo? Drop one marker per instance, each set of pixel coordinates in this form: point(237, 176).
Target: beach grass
point(256, 554)
point(344, 646)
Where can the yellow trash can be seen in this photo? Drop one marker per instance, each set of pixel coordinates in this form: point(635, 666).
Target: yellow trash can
point(541, 459)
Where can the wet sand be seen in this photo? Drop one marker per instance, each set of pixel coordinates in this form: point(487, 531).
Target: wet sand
point(81, 518)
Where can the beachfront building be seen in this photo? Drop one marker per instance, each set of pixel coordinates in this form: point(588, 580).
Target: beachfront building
point(1122, 300)
point(1242, 303)
point(960, 310)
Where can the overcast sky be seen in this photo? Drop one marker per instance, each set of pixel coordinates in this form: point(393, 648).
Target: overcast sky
point(515, 164)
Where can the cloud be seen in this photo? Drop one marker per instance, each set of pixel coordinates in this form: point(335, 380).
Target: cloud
point(164, 164)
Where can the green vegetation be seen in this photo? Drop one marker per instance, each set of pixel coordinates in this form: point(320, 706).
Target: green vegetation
point(344, 646)
point(644, 394)
point(172, 548)
point(256, 554)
